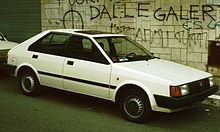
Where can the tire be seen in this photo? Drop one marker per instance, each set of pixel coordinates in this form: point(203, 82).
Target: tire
point(29, 84)
point(135, 106)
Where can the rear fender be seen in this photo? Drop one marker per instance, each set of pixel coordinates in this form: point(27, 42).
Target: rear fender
point(27, 65)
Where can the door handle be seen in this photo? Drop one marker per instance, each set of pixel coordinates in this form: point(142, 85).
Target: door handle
point(70, 62)
point(35, 56)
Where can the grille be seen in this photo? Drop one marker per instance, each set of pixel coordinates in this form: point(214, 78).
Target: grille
point(198, 86)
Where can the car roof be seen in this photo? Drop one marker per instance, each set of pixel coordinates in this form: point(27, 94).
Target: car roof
point(86, 32)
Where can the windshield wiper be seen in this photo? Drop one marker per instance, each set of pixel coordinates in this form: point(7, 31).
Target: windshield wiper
point(142, 57)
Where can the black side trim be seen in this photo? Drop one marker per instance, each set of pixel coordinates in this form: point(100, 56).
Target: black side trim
point(78, 80)
point(89, 82)
point(50, 74)
point(188, 100)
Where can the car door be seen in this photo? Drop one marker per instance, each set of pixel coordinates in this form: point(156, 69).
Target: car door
point(47, 56)
point(86, 70)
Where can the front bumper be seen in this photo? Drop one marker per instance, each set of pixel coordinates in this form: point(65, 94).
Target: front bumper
point(184, 101)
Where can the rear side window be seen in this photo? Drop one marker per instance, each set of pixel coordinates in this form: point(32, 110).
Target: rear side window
point(53, 43)
point(83, 48)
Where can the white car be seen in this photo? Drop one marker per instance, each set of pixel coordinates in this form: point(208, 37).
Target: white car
point(111, 67)
point(5, 46)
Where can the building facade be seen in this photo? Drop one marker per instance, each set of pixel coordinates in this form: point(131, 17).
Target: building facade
point(177, 30)
point(20, 19)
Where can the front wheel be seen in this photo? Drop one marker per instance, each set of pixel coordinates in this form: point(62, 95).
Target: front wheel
point(29, 84)
point(135, 106)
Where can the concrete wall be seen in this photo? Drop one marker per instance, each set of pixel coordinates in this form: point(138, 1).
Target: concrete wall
point(176, 30)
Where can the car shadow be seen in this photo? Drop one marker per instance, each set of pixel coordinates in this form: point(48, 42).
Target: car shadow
point(79, 100)
point(3, 74)
point(171, 121)
point(197, 112)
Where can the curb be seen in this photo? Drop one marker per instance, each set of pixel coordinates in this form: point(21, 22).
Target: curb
point(213, 100)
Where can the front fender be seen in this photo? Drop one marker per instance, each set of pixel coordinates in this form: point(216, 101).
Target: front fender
point(113, 94)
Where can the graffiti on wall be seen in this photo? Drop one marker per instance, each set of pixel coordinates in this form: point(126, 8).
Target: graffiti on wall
point(73, 19)
point(100, 11)
point(196, 18)
point(193, 13)
point(214, 24)
point(162, 37)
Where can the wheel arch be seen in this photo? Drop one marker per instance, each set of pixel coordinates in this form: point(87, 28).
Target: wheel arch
point(26, 67)
point(137, 86)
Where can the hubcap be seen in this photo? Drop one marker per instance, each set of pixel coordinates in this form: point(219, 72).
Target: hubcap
point(28, 84)
point(134, 106)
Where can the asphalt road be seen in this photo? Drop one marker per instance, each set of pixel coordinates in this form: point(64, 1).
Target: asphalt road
point(58, 111)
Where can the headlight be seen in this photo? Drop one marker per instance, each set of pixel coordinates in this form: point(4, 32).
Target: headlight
point(184, 89)
point(177, 91)
point(211, 81)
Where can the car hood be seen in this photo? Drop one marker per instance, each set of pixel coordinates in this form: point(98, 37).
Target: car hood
point(4, 45)
point(176, 73)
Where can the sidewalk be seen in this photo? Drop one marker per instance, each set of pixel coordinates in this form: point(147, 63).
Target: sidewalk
point(214, 99)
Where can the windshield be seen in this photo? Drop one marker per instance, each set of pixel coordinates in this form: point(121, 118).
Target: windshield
point(123, 49)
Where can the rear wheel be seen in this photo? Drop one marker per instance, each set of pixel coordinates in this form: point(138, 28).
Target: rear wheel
point(29, 84)
point(135, 106)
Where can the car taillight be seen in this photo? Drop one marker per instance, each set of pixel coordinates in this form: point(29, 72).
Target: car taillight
point(175, 91)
